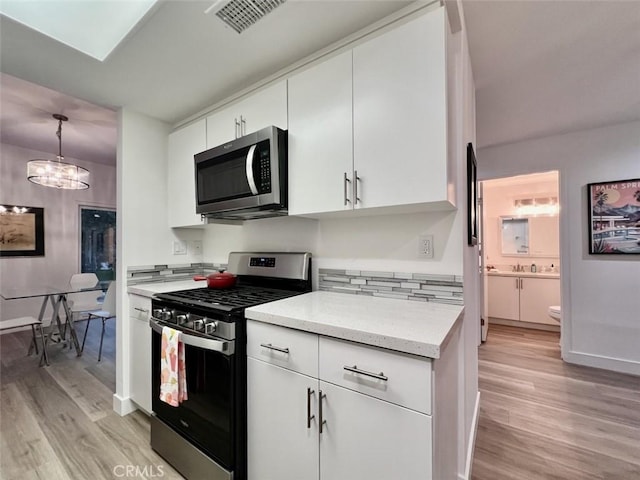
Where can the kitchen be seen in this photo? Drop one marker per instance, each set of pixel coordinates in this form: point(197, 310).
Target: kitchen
point(382, 243)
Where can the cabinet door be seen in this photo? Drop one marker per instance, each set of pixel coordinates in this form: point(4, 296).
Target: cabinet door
point(279, 445)
point(221, 127)
point(181, 190)
point(503, 298)
point(365, 438)
point(400, 114)
point(321, 138)
point(536, 296)
point(140, 351)
point(264, 108)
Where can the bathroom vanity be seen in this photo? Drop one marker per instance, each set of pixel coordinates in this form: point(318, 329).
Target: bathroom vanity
point(523, 298)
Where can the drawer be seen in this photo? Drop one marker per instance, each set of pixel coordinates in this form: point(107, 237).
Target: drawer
point(139, 307)
point(407, 378)
point(292, 349)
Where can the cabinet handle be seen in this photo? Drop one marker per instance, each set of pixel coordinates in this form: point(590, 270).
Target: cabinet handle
point(355, 369)
point(521, 285)
point(143, 310)
point(273, 347)
point(237, 127)
point(309, 416)
point(346, 181)
point(517, 284)
point(322, 420)
point(243, 126)
point(356, 179)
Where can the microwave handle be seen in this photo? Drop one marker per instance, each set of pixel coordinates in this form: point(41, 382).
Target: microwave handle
point(249, 169)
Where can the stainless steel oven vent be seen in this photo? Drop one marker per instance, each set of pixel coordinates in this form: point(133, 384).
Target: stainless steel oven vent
point(241, 14)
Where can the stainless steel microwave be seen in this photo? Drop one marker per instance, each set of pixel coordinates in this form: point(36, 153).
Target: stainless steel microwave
point(245, 178)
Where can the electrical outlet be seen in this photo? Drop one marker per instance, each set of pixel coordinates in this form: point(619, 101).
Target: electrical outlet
point(179, 248)
point(195, 247)
point(425, 246)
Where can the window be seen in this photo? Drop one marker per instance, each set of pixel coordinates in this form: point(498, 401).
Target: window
point(98, 242)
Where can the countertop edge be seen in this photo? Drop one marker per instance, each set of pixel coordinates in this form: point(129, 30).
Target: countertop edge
point(398, 344)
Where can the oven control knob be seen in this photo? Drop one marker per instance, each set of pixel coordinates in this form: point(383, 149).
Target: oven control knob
point(182, 319)
point(210, 327)
point(198, 325)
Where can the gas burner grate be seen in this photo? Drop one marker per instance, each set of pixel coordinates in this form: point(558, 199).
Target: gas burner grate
point(236, 297)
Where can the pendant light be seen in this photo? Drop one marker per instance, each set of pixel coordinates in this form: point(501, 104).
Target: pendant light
point(58, 174)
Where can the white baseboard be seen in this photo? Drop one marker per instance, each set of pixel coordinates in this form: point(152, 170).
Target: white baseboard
point(123, 406)
point(472, 441)
point(606, 363)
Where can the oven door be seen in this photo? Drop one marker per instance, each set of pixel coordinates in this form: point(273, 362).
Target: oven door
point(207, 418)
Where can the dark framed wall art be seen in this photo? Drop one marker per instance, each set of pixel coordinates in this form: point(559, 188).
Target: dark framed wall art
point(614, 217)
point(472, 196)
point(21, 231)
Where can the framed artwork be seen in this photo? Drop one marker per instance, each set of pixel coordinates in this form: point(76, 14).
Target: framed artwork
point(614, 217)
point(472, 196)
point(21, 231)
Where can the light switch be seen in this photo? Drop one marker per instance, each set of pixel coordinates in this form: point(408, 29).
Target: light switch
point(179, 247)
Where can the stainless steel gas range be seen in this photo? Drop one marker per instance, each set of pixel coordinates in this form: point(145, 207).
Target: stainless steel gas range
point(206, 435)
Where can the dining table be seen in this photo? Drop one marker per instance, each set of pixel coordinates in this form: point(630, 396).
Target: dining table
point(56, 296)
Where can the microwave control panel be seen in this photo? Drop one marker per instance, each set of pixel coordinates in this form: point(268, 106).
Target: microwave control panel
point(265, 168)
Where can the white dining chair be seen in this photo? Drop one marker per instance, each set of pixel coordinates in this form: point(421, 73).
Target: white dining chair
point(84, 302)
point(107, 312)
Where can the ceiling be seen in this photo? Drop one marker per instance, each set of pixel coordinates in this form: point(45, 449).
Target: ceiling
point(540, 67)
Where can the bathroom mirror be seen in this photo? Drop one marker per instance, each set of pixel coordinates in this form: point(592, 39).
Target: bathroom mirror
point(530, 236)
point(515, 235)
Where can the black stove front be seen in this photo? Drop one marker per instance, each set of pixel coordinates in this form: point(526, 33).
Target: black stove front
point(205, 436)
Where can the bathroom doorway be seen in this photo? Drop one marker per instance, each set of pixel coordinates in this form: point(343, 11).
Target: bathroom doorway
point(521, 251)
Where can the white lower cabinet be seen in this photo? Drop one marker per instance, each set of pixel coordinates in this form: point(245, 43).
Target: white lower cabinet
point(140, 354)
point(369, 439)
point(280, 445)
point(304, 426)
point(524, 299)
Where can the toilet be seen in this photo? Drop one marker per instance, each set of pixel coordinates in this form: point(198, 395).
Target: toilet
point(554, 312)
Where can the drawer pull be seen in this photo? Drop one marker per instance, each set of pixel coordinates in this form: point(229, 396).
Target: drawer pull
point(309, 416)
point(322, 420)
point(355, 369)
point(273, 347)
point(143, 310)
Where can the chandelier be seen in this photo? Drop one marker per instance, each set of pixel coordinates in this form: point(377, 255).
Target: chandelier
point(56, 173)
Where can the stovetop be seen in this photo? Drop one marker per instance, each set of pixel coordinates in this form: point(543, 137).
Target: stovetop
point(228, 299)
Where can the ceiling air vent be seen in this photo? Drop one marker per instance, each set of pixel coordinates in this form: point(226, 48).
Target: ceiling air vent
point(241, 14)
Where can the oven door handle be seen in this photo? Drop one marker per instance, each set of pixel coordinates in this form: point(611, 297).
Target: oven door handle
point(226, 347)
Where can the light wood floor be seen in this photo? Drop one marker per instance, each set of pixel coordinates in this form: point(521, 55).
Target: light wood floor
point(58, 422)
point(541, 418)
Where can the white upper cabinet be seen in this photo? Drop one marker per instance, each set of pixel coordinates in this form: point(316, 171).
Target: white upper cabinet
point(262, 109)
point(320, 138)
point(368, 127)
point(183, 145)
point(400, 114)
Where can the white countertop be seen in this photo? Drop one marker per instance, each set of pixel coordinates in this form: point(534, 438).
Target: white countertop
point(419, 328)
point(150, 289)
point(503, 273)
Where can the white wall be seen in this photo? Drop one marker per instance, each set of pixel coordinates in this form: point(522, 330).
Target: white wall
point(143, 235)
point(462, 91)
point(600, 301)
point(61, 223)
point(380, 243)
